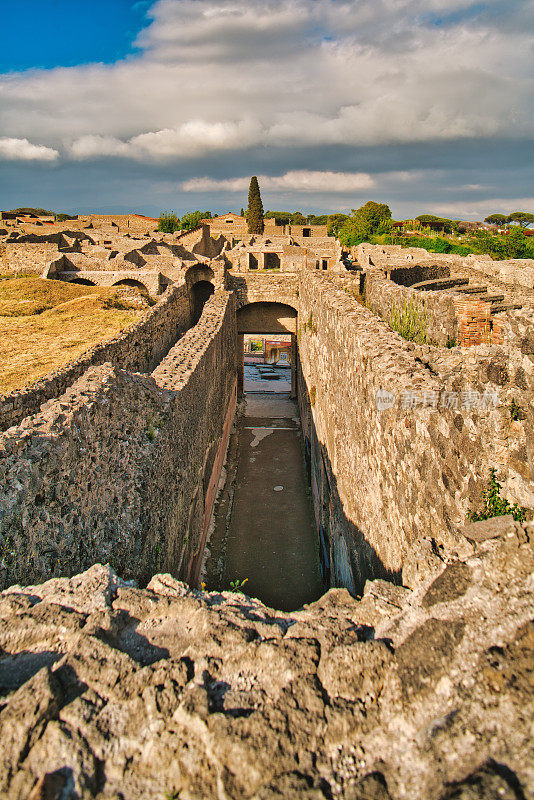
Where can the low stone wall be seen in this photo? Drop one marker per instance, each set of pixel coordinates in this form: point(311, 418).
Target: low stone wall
point(138, 348)
point(409, 462)
point(416, 273)
point(383, 295)
point(120, 468)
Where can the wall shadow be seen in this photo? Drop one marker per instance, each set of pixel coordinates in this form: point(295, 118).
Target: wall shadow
point(347, 558)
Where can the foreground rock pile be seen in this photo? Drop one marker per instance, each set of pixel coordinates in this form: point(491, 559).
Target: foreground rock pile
point(109, 691)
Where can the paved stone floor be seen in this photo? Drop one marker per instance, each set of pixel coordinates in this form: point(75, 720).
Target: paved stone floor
point(254, 382)
point(263, 527)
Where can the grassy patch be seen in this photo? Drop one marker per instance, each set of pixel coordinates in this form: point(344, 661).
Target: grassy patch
point(45, 324)
point(410, 320)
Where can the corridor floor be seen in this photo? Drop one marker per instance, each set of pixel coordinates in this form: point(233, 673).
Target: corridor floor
point(264, 529)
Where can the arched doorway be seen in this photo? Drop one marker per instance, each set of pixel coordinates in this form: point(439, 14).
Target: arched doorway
point(82, 281)
point(133, 284)
point(200, 293)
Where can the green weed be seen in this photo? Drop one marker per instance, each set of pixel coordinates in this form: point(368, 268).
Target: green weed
point(495, 505)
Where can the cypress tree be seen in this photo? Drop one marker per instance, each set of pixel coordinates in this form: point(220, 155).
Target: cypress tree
point(255, 208)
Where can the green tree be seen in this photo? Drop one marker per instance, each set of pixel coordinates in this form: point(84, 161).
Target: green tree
point(436, 223)
point(364, 222)
point(280, 217)
point(522, 217)
point(497, 219)
point(255, 208)
point(168, 222)
point(335, 223)
point(191, 219)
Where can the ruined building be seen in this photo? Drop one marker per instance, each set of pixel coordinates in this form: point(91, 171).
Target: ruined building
point(411, 676)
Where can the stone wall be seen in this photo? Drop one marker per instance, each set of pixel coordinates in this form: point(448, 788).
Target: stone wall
point(254, 287)
point(121, 468)
point(29, 257)
point(138, 348)
point(383, 296)
point(384, 473)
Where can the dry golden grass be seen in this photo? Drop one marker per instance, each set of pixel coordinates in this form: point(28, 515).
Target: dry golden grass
point(34, 342)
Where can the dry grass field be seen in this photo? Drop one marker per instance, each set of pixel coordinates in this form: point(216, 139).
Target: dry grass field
point(45, 324)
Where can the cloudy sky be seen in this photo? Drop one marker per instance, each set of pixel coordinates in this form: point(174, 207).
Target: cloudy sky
point(116, 105)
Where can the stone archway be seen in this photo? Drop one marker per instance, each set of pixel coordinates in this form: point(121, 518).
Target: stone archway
point(82, 281)
point(268, 317)
point(199, 282)
point(132, 284)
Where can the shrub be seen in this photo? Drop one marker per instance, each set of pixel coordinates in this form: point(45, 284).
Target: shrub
point(410, 320)
point(168, 222)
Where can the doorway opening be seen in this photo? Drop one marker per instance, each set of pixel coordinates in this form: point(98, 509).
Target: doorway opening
point(267, 363)
point(201, 292)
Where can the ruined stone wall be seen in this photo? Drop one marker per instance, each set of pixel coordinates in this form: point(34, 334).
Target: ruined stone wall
point(138, 348)
point(254, 287)
point(121, 468)
point(416, 273)
point(386, 474)
point(383, 296)
point(29, 257)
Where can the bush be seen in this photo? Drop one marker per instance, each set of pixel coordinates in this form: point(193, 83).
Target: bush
point(410, 320)
point(168, 222)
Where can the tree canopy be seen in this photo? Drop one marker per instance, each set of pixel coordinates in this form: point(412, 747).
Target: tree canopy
point(335, 223)
point(168, 222)
point(370, 219)
point(496, 219)
point(255, 208)
point(522, 217)
point(436, 223)
point(191, 219)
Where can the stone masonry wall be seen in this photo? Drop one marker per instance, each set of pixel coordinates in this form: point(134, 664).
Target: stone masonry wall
point(138, 348)
point(29, 257)
point(117, 469)
point(387, 475)
point(383, 295)
point(273, 288)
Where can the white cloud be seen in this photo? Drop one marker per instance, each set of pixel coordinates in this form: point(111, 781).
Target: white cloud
point(304, 181)
point(222, 75)
point(193, 138)
point(478, 209)
point(24, 150)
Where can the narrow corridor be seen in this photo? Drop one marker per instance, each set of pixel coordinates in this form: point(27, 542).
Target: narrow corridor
point(264, 528)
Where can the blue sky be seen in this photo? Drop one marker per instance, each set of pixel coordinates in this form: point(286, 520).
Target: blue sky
point(66, 33)
point(173, 104)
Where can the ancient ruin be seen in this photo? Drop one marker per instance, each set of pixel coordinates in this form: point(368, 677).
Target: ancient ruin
point(411, 676)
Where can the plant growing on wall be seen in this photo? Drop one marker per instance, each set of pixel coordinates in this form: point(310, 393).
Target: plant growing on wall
point(237, 585)
point(410, 320)
point(255, 208)
point(495, 505)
